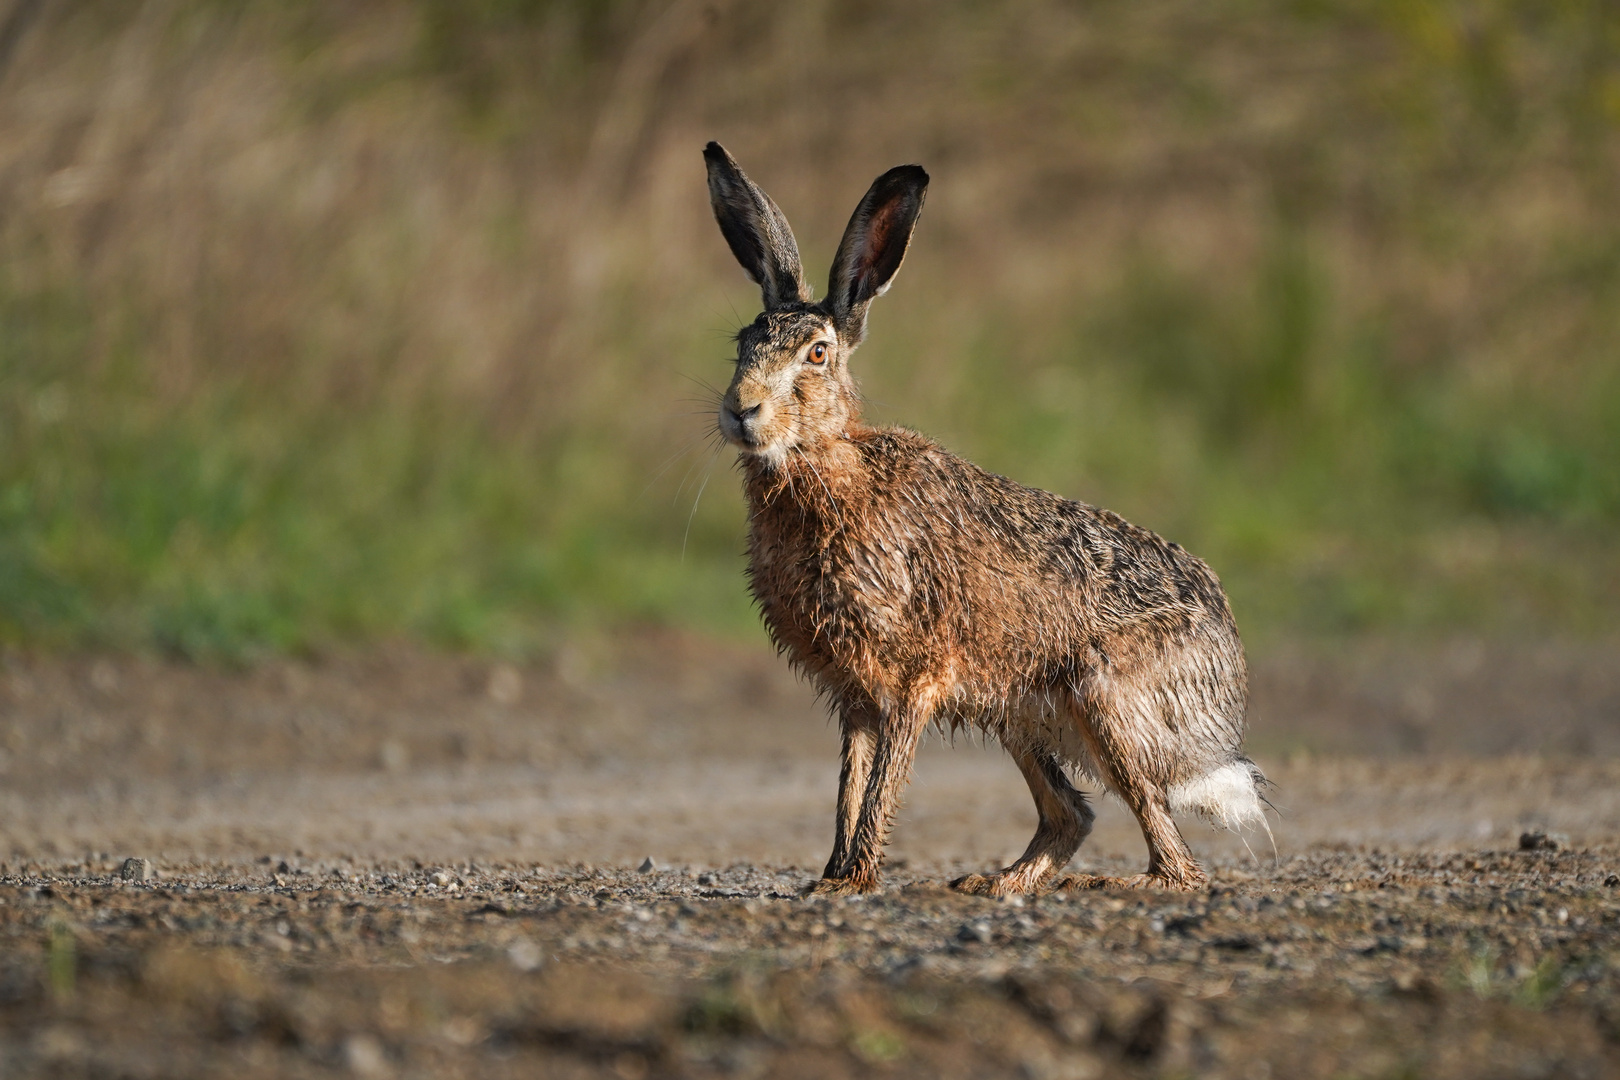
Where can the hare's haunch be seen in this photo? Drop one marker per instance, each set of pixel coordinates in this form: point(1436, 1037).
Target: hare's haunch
point(913, 587)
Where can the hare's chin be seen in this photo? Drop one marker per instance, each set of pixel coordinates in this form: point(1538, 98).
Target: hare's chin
point(771, 455)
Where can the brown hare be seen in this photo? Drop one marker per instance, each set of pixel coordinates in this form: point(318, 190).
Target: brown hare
point(913, 587)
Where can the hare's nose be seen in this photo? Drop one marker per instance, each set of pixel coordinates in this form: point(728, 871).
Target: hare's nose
point(744, 416)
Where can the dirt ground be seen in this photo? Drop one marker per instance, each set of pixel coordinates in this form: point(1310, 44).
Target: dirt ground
point(400, 864)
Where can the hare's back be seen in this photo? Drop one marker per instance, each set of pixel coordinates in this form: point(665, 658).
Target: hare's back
point(1128, 574)
point(1139, 573)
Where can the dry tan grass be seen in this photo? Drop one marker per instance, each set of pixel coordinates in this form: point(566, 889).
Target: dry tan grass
point(1251, 251)
point(285, 186)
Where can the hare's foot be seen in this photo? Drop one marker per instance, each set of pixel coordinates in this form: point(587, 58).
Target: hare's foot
point(974, 884)
point(854, 885)
point(1009, 882)
point(1180, 883)
point(1065, 822)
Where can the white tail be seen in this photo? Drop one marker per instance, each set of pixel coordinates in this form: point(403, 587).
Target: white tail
point(1229, 797)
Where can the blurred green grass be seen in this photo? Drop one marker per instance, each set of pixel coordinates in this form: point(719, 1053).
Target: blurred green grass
point(323, 324)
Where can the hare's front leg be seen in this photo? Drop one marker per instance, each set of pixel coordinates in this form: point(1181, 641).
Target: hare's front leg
point(897, 735)
point(1065, 822)
point(858, 725)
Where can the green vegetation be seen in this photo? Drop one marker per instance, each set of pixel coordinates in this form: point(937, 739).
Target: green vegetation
point(323, 323)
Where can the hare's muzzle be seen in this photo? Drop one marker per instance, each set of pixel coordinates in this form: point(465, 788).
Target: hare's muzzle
point(741, 424)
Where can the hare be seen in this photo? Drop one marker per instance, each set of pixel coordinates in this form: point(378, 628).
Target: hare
point(914, 588)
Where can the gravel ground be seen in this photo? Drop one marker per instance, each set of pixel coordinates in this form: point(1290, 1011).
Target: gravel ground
point(406, 865)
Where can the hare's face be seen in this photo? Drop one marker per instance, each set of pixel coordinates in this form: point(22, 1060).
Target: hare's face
point(792, 390)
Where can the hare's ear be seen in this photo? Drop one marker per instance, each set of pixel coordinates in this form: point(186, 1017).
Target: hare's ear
point(874, 243)
point(756, 230)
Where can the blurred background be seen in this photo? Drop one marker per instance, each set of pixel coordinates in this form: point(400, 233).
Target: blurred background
point(380, 320)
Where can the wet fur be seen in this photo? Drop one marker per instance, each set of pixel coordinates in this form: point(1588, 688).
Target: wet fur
point(914, 588)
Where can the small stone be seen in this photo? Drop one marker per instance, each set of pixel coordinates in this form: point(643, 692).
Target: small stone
point(1612, 881)
point(364, 1056)
point(632, 1066)
point(137, 870)
point(441, 879)
point(975, 931)
point(647, 866)
point(1537, 841)
point(393, 757)
point(525, 955)
point(59, 1043)
point(706, 878)
point(505, 686)
point(104, 678)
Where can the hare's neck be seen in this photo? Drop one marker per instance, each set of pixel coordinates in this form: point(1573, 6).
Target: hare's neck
point(812, 484)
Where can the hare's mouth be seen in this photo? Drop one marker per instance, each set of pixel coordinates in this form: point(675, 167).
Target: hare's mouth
point(752, 429)
point(771, 452)
point(769, 449)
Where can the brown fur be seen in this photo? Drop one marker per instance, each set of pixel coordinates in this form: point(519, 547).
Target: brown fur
point(913, 588)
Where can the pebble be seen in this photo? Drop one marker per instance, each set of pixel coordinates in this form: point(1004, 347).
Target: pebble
point(394, 757)
point(505, 685)
point(647, 866)
point(525, 955)
point(1538, 841)
point(364, 1056)
point(975, 931)
point(137, 870)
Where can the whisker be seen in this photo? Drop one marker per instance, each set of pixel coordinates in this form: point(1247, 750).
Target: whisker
point(842, 527)
point(674, 459)
point(699, 498)
point(736, 319)
point(707, 409)
point(717, 443)
point(705, 384)
point(680, 489)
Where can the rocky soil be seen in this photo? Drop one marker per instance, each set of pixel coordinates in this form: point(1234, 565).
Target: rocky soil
point(397, 865)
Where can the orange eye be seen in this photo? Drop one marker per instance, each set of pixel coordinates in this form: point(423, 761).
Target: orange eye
point(818, 353)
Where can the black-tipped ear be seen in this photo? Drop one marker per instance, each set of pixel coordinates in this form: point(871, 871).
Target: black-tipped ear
point(756, 230)
point(873, 246)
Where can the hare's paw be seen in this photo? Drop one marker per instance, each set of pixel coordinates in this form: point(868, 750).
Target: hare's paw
point(1135, 881)
point(844, 886)
point(1075, 882)
point(973, 884)
point(1000, 884)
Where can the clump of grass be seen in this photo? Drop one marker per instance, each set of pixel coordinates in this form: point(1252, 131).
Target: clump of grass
point(1480, 972)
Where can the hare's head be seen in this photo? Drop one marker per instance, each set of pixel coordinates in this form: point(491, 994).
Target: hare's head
point(793, 389)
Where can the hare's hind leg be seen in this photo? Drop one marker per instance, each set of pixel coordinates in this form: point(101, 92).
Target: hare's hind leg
point(1065, 822)
point(1118, 736)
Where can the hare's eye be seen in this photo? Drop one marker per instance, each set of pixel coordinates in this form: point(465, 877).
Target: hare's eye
point(818, 353)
